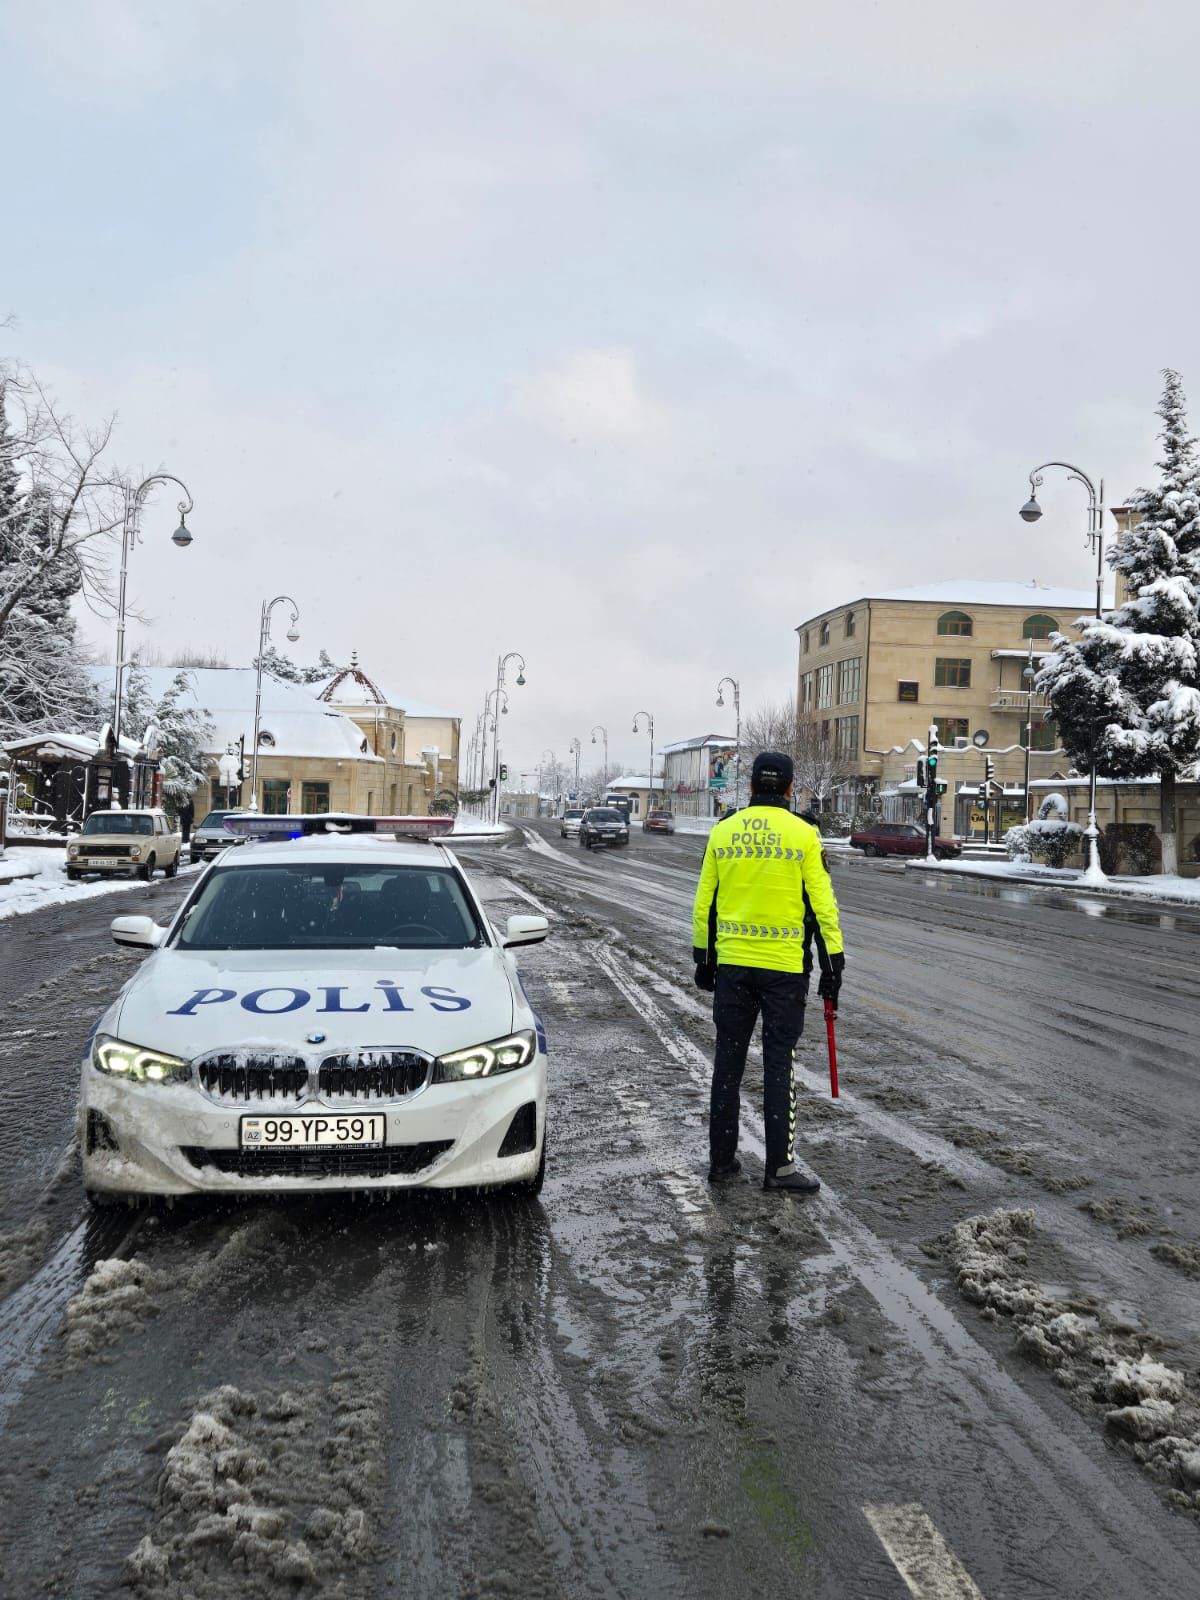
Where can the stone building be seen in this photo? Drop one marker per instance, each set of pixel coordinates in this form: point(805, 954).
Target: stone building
point(417, 742)
point(699, 775)
point(873, 675)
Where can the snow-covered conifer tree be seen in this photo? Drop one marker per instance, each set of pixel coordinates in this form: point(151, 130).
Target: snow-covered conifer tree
point(1126, 696)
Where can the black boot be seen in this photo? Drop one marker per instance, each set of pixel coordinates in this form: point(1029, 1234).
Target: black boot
point(719, 1170)
point(795, 1182)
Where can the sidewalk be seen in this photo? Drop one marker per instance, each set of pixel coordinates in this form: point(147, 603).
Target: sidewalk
point(33, 877)
point(1160, 889)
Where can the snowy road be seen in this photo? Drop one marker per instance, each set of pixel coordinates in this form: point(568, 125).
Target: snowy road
point(641, 1387)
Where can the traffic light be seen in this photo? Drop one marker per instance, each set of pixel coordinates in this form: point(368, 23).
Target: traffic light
point(241, 771)
point(503, 773)
point(989, 769)
point(920, 774)
point(934, 748)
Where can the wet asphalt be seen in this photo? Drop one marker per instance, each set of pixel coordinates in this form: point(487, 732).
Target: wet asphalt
point(638, 1385)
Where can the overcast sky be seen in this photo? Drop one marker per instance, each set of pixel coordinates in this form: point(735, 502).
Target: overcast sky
point(625, 335)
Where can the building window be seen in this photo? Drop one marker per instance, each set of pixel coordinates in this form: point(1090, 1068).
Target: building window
point(823, 635)
point(952, 672)
point(955, 625)
point(846, 733)
point(908, 690)
point(275, 796)
point(1039, 626)
point(825, 687)
point(849, 678)
point(850, 622)
point(804, 641)
point(806, 692)
point(1045, 736)
point(951, 728)
point(314, 798)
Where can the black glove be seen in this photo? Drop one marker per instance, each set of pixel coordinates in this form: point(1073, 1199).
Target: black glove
point(706, 976)
point(830, 985)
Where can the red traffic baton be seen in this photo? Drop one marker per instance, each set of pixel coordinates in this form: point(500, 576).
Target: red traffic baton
point(831, 1039)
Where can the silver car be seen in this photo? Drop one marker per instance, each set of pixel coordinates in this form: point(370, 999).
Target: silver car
point(210, 838)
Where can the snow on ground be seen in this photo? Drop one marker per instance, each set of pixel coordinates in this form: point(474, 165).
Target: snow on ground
point(1162, 886)
point(1148, 1407)
point(118, 1296)
point(469, 827)
point(39, 880)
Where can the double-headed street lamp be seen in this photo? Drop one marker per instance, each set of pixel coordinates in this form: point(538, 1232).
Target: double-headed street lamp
point(501, 664)
point(264, 638)
point(604, 731)
point(130, 534)
point(1030, 512)
point(650, 725)
point(737, 711)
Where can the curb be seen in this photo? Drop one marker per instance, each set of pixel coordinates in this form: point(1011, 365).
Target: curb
point(1109, 891)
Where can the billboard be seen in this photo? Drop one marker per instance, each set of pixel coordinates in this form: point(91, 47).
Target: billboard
point(720, 760)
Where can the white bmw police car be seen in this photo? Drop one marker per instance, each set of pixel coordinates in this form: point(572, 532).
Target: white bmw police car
point(330, 1009)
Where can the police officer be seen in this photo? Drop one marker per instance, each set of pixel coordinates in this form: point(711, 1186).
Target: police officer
point(763, 871)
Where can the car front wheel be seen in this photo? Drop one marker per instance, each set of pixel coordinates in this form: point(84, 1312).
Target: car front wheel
point(869, 850)
point(146, 870)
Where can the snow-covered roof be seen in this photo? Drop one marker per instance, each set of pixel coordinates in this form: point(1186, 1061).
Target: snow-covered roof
point(84, 745)
point(699, 742)
point(299, 725)
point(953, 592)
point(635, 781)
point(352, 687)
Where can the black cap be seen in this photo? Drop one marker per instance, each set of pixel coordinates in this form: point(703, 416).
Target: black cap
point(771, 773)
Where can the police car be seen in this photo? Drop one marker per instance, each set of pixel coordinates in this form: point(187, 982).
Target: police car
point(329, 1009)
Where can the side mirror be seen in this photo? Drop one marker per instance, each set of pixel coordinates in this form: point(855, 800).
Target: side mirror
point(518, 930)
point(142, 932)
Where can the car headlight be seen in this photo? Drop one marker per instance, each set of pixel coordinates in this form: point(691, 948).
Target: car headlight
point(136, 1063)
point(486, 1060)
point(135, 851)
point(73, 850)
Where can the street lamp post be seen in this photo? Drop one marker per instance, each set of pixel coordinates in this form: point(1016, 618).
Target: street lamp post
point(495, 706)
point(130, 533)
point(1030, 512)
point(264, 637)
point(576, 747)
point(604, 731)
point(501, 664)
point(737, 711)
point(553, 773)
point(650, 725)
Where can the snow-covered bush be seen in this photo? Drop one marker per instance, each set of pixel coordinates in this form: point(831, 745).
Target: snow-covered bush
point(1050, 836)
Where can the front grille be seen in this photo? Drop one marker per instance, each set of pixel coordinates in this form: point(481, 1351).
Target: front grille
point(372, 1075)
point(397, 1160)
point(245, 1078)
point(118, 851)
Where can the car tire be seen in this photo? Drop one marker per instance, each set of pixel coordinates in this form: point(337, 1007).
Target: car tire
point(104, 1202)
point(169, 872)
point(869, 850)
point(146, 871)
point(73, 874)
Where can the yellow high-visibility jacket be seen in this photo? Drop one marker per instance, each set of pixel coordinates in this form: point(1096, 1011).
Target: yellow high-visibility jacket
point(757, 867)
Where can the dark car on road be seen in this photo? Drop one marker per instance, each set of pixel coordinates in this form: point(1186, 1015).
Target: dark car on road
point(210, 838)
point(659, 822)
point(901, 839)
point(603, 825)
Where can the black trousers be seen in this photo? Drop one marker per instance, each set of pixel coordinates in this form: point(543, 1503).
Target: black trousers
point(741, 995)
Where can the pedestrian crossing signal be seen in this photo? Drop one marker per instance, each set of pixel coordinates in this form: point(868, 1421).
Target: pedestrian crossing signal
point(503, 774)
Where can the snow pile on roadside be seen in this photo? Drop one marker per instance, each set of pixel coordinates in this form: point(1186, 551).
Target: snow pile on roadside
point(1151, 1408)
point(41, 880)
point(21, 1250)
point(262, 1496)
point(1162, 886)
point(117, 1297)
point(469, 827)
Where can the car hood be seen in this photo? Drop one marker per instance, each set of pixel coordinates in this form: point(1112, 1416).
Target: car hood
point(190, 1002)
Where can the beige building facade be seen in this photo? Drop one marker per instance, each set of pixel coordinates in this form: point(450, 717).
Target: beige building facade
point(417, 743)
point(874, 674)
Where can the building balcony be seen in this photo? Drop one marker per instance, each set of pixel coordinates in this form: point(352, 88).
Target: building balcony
point(1017, 700)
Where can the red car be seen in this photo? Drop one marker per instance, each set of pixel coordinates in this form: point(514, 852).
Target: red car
point(901, 839)
point(659, 822)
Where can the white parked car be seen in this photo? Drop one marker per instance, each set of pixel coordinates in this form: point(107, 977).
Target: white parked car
point(326, 1011)
point(569, 823)
point(130, 843)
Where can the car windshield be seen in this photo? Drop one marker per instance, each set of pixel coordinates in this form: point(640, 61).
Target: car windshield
point(607, 816)
point(330, 906)
point(568, 815)
point(214, 819)
point(117, 822)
